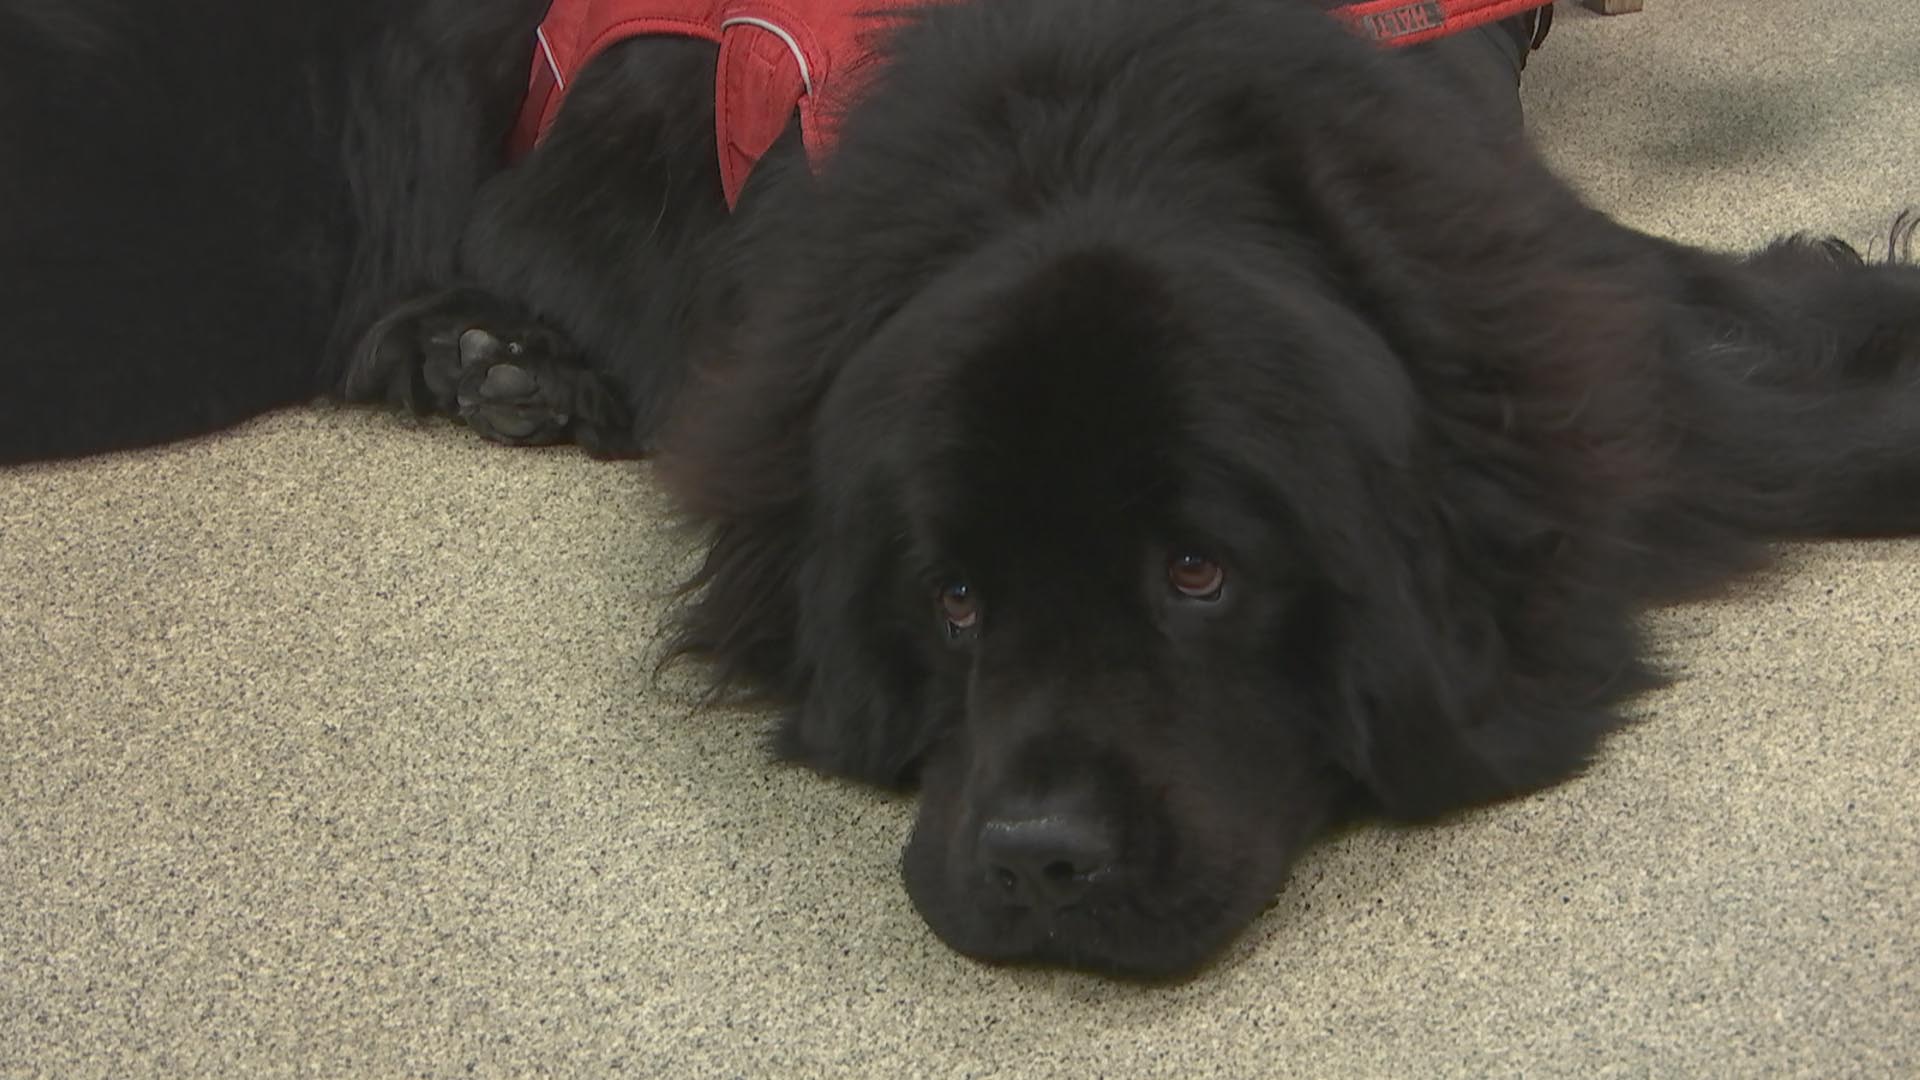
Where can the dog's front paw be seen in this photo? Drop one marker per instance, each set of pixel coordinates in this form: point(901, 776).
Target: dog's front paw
point(511, 378)
point(510, 389)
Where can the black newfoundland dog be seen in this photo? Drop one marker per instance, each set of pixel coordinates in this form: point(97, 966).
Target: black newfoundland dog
point(1159, 430)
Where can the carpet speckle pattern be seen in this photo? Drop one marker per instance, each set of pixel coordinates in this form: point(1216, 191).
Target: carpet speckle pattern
point(334, 746)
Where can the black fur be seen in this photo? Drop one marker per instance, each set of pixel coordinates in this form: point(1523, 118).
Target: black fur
point(1090, 291)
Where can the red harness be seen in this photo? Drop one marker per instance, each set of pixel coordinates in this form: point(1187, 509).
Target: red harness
point(1410, 22)
point(777, 56)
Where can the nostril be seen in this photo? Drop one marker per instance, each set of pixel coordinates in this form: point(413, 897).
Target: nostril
point(1046, 860)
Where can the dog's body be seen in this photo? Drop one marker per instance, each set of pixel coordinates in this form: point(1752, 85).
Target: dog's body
point(1161, 429)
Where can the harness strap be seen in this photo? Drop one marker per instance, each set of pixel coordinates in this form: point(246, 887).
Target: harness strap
point(1410, 22)
point(777, 56)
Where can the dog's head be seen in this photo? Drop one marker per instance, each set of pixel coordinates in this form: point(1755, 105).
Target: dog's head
point(1149, 525)
point(1116, 502)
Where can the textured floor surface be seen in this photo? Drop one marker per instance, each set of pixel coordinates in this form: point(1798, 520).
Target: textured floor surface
point(331, 747)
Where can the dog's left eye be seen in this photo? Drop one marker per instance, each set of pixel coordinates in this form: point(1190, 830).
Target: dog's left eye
point(1196, 577)
point(960, 608)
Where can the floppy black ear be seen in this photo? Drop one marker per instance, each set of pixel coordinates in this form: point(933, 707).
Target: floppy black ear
point(861, 673)
point(1485, 657)
point(798, 596)
point(1492, 652)
point(791, 606)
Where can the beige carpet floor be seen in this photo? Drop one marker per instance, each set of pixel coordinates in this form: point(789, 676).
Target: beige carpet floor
point(330, 747)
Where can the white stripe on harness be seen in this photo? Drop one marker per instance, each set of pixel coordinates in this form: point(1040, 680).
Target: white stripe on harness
point(546, 50)
point(806, 76)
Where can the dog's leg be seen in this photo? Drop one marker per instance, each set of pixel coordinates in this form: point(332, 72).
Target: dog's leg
point(579, 269)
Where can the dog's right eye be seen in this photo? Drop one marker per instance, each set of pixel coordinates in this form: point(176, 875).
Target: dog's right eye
point(960, 608)
point(1196, 577)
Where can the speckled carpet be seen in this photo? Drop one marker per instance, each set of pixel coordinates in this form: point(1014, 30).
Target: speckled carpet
point(332, 747)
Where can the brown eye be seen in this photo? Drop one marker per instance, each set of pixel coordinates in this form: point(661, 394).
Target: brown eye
point(1195, 576)
point(958, 604)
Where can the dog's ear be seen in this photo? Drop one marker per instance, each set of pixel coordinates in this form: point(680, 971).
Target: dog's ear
point(1497, 640)
point(860, 669)
point(1485, 656)
point(801, 601)
point(734, 461)
point(798, 596)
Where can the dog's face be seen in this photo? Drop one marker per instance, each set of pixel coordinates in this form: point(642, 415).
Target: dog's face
point(1154, 508)
point(1103, 512)
point(1148, 558)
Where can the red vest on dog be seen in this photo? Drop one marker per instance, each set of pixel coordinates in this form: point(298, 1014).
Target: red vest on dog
point(777, 56)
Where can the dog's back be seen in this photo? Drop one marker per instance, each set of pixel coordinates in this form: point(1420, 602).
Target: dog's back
point(179, 232)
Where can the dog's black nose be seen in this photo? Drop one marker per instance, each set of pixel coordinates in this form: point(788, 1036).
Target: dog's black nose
point(1048, 858)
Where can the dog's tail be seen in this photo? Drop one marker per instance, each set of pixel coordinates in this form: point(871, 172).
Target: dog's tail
point(1825, 423)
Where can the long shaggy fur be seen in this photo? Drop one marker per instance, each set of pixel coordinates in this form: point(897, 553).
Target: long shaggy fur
point(1091, 293)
